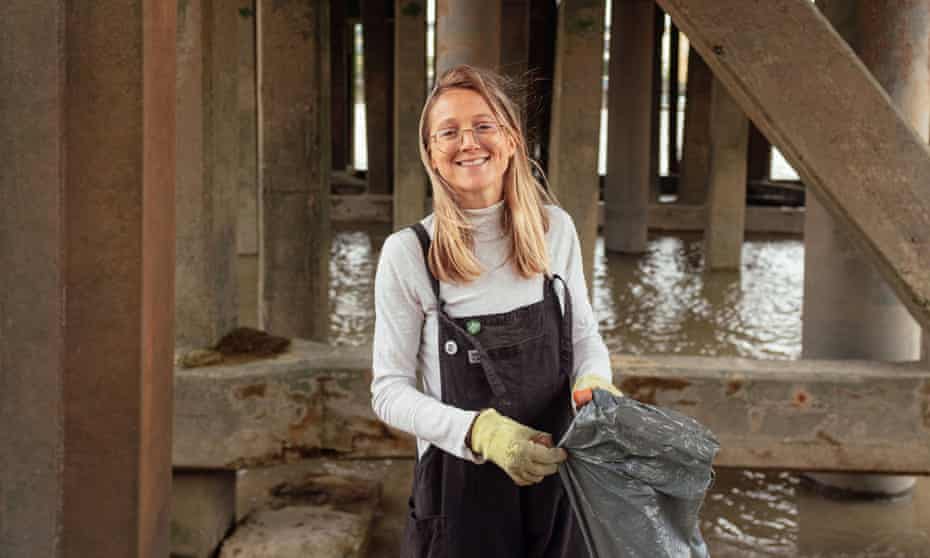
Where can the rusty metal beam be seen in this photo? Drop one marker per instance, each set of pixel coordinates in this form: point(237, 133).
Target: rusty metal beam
point(810, 94)
point(809, 415)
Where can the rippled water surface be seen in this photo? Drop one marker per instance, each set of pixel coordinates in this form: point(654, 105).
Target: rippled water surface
point(664, 302)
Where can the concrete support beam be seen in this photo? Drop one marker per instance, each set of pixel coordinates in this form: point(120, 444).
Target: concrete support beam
point(695, 149)
point(207, 171)
point(836, 126)
point(576, 103)
point(515, 38)
point(378, 30)
point(468, 32)
point(294, 144)
point(759, 158)
point(341, 60)
point(543, 28)
point(629, 139)
point(247, 219)
point(87, 268)
point(804, 415)
point(673, 94)
point(726, 200)
point(409, 94)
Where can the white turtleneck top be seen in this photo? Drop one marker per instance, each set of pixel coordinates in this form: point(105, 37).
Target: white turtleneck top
point(406, 322)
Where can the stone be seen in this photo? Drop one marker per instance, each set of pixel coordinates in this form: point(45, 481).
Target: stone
point(203, 510)
point(298, 532)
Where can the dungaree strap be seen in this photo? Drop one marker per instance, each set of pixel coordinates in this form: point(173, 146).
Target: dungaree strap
point(566, 344)
point(494, 380)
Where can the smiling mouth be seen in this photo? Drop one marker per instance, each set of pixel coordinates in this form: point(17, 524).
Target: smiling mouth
point(473, 162)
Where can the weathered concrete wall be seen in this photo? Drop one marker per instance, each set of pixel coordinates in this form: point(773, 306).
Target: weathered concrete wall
point(87, 266)
point(409, 94)
point(695, 149)
point(576, 102)
point(313, 398)
point(629, 140)
point(294, 167)
point(468, 32)
point(207, 171)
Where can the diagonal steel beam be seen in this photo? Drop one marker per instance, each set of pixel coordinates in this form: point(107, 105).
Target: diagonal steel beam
point(803, 86)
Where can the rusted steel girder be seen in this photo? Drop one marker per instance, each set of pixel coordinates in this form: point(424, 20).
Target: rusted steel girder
point(810, 94)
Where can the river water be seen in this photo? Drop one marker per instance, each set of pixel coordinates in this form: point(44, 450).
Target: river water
point(663, 302)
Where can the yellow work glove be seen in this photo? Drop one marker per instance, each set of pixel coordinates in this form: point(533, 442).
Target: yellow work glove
point(522, 452)
point(583, 391)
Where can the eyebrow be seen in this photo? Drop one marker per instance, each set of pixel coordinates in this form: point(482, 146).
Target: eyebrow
point(445, 121)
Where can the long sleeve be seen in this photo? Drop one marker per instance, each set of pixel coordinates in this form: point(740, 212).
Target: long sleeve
point(591, 355)
point(403, 296)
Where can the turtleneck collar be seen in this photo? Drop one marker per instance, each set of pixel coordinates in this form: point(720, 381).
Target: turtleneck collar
point(487, 221)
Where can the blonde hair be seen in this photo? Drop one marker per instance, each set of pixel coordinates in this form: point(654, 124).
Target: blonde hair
point(524, 219)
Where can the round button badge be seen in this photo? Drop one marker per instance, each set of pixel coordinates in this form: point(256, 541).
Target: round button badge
point(451, 347)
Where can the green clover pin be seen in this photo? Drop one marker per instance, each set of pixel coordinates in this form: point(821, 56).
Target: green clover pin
point(473, 326)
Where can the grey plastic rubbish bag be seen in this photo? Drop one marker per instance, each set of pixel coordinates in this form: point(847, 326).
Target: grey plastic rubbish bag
point(636, 476)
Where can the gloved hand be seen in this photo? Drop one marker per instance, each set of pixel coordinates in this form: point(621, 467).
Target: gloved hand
point(523, 453)
point(583, 392)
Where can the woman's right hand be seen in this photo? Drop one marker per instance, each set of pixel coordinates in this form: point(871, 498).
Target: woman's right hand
point(523, 453)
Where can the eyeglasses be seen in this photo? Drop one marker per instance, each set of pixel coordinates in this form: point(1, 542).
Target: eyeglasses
point(449, 140)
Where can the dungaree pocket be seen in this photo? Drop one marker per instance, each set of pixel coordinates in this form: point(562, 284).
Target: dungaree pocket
point(425, 536)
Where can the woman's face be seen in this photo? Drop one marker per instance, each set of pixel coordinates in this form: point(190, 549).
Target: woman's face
point(475, 165)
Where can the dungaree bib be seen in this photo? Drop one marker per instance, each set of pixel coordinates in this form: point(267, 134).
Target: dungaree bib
point(519, 363)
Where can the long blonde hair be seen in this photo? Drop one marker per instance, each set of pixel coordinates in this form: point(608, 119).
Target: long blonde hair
point(524, 219)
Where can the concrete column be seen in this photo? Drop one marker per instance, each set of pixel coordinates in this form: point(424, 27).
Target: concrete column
point(629, 138)
point(695, 150)
point(294, 159)
point(726, 200)
point(409, 95)
point(576, 103)
point(515, 38)
point(673, 163)
point(658, 28)
point(543, 24)
point(378, 28)
point(87, 268)
point(759, 158)
point(849, 310)
point(468, 32)
point(341, 60)
point(207, 171)
point(247, 219)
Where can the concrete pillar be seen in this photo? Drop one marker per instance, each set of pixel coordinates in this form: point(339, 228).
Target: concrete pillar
point(87, 268)
point(576, 103)
point(515, 38)
point(294, 159)
point(409, 95)
point(726, 200)
point(247, 218)
point(378, 28)
point(341, 59)
point(543, 24)
point(849, 310)
point(695, 150)
point(468, 32)
point(658, 28)
point(629, 138)
point(759, 158)
point(207, 171)
point(673, 163)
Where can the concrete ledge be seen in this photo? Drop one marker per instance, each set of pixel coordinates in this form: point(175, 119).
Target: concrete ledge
point(311, 400)
point(803, 415)
point(203, 510)
point(372, 208)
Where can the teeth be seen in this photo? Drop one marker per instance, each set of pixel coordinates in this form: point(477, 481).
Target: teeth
point(473, 162)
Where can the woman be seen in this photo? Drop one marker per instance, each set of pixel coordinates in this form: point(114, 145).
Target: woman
point(473, 298)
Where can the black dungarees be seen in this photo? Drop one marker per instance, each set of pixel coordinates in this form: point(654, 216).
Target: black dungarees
point(519, 363)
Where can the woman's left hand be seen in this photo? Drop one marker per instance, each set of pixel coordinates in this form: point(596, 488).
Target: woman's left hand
point(583, 391)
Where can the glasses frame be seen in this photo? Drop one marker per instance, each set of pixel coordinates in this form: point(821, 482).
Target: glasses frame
point(460, 137)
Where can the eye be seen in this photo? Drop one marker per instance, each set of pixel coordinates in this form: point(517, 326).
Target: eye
point(447, 134)
point(486, 128)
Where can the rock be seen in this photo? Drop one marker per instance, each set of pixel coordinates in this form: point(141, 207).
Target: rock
point(299, 532)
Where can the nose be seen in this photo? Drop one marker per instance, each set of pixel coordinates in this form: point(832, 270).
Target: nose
point(470, 143)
